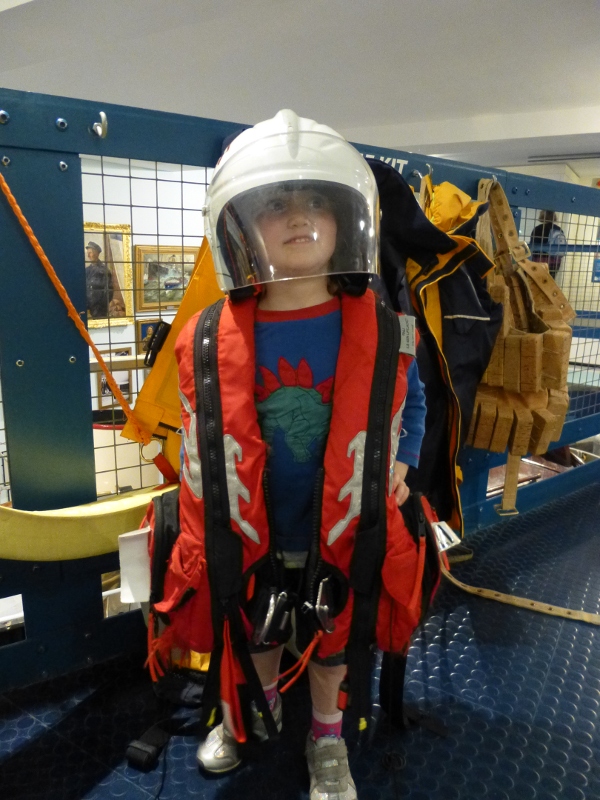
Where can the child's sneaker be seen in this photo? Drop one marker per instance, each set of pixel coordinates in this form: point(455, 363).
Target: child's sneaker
point(330, 777)
point(219, 751)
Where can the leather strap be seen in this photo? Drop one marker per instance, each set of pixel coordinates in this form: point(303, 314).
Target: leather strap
point(550, 288)
point(521, 602)
point(511, 254)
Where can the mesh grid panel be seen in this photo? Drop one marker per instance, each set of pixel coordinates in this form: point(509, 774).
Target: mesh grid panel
point(144, 223)
point(574, 259)
point(143, 228)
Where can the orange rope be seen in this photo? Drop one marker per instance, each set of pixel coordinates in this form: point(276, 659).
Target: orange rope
point(145, 437)
point(301, 664)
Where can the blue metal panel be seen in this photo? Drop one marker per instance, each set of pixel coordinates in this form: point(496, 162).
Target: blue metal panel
point(521, 190)
point(132, 132)
point(69, 648)
point(64, 625)
point(44, 360)
point(465, 176)
point(476, 464)
point(535, 495)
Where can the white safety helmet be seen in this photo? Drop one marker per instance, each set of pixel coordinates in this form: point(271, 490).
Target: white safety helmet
point(291, 167)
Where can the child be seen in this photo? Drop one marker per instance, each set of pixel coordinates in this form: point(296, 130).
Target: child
point(292, 220)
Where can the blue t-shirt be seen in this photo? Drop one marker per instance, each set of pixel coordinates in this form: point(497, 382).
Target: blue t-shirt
point(296, 357)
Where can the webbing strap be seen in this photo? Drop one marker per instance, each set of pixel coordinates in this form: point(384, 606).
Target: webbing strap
point(144, 436)
point(521, 602)
point(371, 535)
point(512, 254)
point(224, 551)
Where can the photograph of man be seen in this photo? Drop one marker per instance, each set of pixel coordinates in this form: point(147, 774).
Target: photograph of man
point(98, 282)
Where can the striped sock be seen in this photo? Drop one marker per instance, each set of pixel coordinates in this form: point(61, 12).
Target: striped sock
point(326, 724)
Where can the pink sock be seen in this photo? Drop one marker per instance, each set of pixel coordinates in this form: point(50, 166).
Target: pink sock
point(271, 694)
point(326, 724)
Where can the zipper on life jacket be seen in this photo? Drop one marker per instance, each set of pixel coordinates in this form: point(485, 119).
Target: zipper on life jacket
point(271, 525)
point(390, 341)
point(314, 557)
point(208, 357)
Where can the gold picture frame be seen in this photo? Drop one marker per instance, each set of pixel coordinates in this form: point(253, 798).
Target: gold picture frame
point(162, 273)
point(123, 378)
point(109, 274)
point(144, 328)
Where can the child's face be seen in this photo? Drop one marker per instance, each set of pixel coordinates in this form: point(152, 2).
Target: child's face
point(299, 233)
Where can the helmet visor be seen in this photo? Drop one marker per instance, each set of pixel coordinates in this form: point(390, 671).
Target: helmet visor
point(295, 229)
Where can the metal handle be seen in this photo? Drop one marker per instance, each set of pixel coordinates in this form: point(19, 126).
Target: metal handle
point(100, 129)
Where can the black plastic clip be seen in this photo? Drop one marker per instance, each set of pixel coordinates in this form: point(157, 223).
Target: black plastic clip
point(156, 342)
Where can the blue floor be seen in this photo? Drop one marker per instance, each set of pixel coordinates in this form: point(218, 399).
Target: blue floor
point(519, 693)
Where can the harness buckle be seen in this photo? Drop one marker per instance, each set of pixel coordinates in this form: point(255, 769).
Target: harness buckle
point(323, 607)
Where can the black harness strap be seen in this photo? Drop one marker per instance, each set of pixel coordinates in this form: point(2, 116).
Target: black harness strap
point(224, 554)
point(371, 535)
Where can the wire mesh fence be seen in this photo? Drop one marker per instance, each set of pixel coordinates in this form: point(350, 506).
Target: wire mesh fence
point(570, 245)
point(143, 227)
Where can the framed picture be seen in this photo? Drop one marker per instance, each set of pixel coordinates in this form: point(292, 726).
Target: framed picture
point(106, 398)
point(162, 274)
point(108, 274)
point(144, 328)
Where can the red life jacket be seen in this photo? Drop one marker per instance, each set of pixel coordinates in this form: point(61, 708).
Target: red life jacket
point(357, 505)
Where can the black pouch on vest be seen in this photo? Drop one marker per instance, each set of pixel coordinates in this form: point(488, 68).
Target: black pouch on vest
point(166, 531)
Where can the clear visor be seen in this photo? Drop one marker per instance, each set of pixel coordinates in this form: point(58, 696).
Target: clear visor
point(295, 229)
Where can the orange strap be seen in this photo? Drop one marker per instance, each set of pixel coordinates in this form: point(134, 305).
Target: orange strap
point(145, 437)
point(301, 664)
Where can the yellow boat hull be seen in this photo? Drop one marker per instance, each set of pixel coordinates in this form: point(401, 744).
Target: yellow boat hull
point(82, 531)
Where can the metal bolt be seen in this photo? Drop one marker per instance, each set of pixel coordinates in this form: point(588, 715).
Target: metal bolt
point(527, 191)
point(87, 635)
point(44, 674)
point(5, 160)
point(573, 199)
point(41, 648)
point(35, 568)
point(20, 362)
point(63, 166)
point(61, 124)
point(72, 360)
point(90, 660)
point(4, 117)
point(514, 189)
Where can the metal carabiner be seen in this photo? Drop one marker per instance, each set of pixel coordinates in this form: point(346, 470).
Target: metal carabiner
point(161, 442)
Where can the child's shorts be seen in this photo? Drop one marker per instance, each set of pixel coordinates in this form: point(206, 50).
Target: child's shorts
point(303, 629)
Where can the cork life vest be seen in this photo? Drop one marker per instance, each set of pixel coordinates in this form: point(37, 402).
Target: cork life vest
point(224, 544)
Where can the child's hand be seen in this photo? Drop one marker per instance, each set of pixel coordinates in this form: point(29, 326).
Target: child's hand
point(399, 488)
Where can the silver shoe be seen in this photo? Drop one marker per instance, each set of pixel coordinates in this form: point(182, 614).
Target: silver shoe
point(330, 777)
point(219, 751)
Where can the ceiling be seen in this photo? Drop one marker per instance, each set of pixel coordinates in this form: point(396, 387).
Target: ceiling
point(492, 82)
